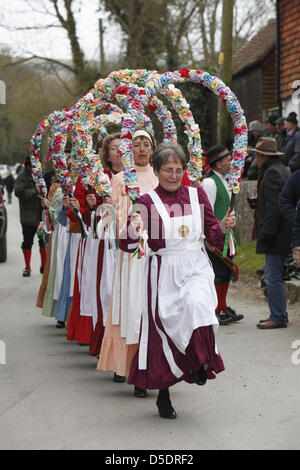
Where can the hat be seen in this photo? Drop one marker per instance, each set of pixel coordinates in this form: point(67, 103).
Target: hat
point(280, 121)
point(255, 126)
point(271, 120)
point(267, 146)
point(215, 153)
point(292, 117)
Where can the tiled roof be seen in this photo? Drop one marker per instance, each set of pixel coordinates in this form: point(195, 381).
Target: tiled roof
point(257, 48)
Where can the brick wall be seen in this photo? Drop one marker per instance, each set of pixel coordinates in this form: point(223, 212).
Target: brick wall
point(289, 45)
point(269, 81)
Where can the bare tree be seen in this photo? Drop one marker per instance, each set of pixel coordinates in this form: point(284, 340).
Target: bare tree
point(59, 14)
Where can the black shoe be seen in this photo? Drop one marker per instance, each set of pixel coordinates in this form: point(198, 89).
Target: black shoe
point(234, 316)
point(165, 409)
point(60, 324)
point(139, 392)
point(223, 317)
point(26, 272)
point(119, 378)
point(200, 377)
point(260, 272)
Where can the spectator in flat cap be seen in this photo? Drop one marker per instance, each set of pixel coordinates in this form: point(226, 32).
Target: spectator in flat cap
point(255, 130)
point(292, 150)
point(270, 127)
point(281, 138)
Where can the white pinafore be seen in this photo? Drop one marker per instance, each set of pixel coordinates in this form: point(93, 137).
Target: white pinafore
point(88, 287)
point(108, 265)
point(62, 245)
point(185, 289)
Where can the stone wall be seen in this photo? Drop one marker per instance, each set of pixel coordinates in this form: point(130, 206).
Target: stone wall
point(244, 215)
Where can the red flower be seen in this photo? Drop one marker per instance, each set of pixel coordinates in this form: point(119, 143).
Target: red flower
point(142, 92)
point(127, 136)
point(152, 107)
point(238, 131)
point(122, 90)
point(184, 73)
point(57, 140)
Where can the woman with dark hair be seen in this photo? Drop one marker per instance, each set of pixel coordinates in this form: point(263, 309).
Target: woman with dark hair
point(177, 338)
point(291, 156)
point(82, 327)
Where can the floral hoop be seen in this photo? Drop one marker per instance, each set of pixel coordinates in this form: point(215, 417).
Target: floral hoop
point(133, 98)
point(229, 99)
point(152, 83)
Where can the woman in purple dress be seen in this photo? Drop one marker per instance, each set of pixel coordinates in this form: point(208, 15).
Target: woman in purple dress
point(177, 338)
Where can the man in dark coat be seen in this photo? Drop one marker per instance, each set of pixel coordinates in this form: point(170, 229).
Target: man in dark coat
point(292, 149)
point(295, 242)
point(30, 215)
point(289, 196)
point(289, 202)
point(9, 183)
point(273, 230)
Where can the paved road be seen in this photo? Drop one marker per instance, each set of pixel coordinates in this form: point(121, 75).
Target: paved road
point(52, 396)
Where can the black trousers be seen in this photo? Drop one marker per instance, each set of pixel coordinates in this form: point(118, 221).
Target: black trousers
point(29, 232)
point(222, 272)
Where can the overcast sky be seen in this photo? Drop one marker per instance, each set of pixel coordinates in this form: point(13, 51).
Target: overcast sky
point(53, 42)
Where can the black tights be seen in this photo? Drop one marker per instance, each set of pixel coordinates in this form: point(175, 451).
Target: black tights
point(163, 394)
point(29, 232)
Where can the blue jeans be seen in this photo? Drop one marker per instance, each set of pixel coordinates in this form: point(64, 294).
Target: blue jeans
point(274, 284)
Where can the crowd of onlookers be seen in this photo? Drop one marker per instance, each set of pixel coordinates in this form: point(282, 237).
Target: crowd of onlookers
point(287, 134)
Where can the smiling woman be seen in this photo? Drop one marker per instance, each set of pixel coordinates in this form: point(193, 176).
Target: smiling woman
point(169, 163)
point(177, 339)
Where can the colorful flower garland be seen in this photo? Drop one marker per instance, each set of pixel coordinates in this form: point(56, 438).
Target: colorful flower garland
point(234, 108)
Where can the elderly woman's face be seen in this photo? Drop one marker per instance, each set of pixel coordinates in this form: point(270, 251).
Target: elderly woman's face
point(142, 151)
point(170, 174)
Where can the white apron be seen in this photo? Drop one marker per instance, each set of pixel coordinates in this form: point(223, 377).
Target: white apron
point(185, 289)
point(62, 245)
point(88, 293)
point(128, 278)
point(75, 238)
point(108, 266)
